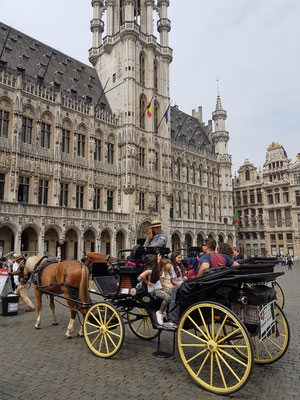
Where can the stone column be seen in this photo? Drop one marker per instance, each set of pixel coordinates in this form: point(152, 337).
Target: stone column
point(110, 16)
point(149, 5)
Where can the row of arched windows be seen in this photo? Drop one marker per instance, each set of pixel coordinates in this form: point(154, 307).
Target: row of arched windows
point(42, 133)
point(143, 62)
point(193, 174)
point(195, 207)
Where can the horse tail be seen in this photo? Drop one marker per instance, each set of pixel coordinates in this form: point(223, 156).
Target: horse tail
point(84, 284)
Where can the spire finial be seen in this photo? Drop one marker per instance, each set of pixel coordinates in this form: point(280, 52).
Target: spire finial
point(218, 88)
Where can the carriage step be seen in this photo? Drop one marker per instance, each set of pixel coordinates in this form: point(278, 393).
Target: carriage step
point(166, 328)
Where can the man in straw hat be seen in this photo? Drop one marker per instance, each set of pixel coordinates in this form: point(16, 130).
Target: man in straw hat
point(156, 236)
point(21, 289)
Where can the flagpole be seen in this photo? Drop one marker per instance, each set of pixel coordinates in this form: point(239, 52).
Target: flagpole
point(167, 110)
point(147, 105)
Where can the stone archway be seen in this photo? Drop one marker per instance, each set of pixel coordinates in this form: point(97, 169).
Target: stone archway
point(89, 241)
point(200, 240)
point(29, 241)
point(230, 240)
point(175, 242)
point(120, 241)
point(51, 242)
point(188, 240)
point(220, 238)
point(7, 240)
point(69, 249)
point(105, 242)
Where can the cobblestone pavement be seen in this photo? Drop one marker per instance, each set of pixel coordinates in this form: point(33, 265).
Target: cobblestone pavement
point(41, 364)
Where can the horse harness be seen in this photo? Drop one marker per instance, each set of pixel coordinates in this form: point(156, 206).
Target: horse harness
point(38, 271)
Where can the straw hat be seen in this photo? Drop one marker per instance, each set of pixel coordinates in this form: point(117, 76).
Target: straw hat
point(156, 223)
point(17, 257)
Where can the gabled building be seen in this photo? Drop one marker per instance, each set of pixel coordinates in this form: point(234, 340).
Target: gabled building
point(89, 155)
point(268, 204)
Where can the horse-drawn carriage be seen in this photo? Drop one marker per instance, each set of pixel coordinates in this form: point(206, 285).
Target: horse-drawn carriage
point(229, 319)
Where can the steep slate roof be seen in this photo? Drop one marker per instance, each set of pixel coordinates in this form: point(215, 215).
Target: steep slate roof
point(37, 60)
point(188, 129)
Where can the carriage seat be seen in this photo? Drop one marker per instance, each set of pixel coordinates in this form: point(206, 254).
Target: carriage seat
point(107, 285)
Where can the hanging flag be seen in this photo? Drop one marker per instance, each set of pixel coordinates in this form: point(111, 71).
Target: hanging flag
point(149, 110)
point(166, 114)
point(236, 219)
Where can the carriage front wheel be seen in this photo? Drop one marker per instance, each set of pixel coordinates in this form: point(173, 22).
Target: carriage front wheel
point(205, 350)
point(103, 330)
point(140, 324)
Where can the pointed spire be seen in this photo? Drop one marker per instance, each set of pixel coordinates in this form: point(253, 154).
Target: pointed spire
point(219, 106)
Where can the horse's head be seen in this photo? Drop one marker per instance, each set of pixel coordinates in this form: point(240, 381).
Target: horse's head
point(85, 259)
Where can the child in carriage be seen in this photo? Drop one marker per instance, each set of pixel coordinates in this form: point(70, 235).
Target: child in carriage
point(158, 280)
point(178, 271)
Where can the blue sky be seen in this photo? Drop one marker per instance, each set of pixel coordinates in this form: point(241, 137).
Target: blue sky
point(252, 46)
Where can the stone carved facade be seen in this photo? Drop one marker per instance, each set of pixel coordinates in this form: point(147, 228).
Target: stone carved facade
point(268, 204)
point(83, 170)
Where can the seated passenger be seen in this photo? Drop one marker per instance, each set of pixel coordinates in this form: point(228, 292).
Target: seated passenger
point(165, 275)
point(225, 248)
point(156, 236)
point(236, 255)
point(178, 270)
point(211, 259)
point(151, 277)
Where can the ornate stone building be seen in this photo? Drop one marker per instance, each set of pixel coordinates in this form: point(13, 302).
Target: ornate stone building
point(268, 204)
point(89, 155)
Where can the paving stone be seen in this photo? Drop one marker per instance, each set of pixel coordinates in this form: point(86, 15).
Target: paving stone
point(41, 364)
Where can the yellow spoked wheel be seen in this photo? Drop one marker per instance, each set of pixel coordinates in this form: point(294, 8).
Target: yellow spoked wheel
point(140, 324)
point(279, 295)
point(271, 348)
point(103, 330)
point(206, 352)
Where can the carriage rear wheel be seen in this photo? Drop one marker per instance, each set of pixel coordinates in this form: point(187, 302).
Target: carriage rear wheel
point(140, 324)
point(103, 330)
point(205, 352)
point(271, 348)
point(279, 295)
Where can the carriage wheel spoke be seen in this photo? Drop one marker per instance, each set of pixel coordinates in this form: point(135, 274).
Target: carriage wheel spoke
point(221, 327)
point(221, 370)
point(229, 335)
point(141, 321)
point(228, 366)
point(275, 344)
point(149, 327)
point(204, 323)
point(105, 315)
point(231, 346)
point(108, 335)
point(100, 344)
point(192, 345)
point(100, 316)
point(95, 339)
point(89, 323)
point(212, 323)
point(106, 344)
point(233, 358)
point(110, 319)
point(195, 356)
point(211, 368)
point(114, 334)
point(256, 348)
point(194, 336)
point(93, 332)
point(95, 318)
point(197, 326)
point(202, 365)
point(267, 351)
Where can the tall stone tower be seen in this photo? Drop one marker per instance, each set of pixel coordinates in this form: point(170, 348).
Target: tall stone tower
point(133, 66)
point(220, 138)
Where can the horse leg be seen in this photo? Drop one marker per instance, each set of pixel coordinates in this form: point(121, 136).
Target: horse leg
point(70, 329)
point(38, 295)
point(80, 332)
point(52, 306)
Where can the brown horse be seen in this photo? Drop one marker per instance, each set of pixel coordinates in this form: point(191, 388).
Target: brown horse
point(69, 278)
point(92, 257)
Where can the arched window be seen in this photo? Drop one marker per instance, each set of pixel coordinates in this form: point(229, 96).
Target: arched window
point(178, 170)
point(155, 68)
point(110, 151)
point(194, 175)
point(5, 118)
point(187, 172)
point(247, 175)
point(179, 205)
point(172, 207)
point(200, 176)
point(142, 111)
point(142, 69)
point(189, 206)
point(46, 131)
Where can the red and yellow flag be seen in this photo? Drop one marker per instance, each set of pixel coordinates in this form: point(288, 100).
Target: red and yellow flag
point(149, 110)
